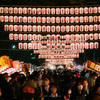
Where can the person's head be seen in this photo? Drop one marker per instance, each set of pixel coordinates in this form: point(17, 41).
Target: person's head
point(67, 92)
point(94, 75)
point(15, 76)
point(85, 83)
point(28, 93)
point(6, 76)
point(53, 88)
point(46, 81)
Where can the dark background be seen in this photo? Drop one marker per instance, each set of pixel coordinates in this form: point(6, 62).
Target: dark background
point(25, 55)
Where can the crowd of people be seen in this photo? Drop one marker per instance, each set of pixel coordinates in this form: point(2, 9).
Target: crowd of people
point(50, 85)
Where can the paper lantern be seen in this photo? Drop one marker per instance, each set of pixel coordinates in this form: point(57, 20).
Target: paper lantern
point(11, 36)
point(29, 19)
point(90, 27)
point(15, 36)
point(76, 11)
point(29, 46)
point(39, 28)
point(91, 36)
point(43, 11)
point(20, 10)
point(62, 20)
point(86, 36)
point(77, 28)
point(52, 11)
point(67, 11)
point(86, 28)
point(81, 28)
point(72, 19)
point(95, 27)
point(10, 10)
point(15, 19)
point(57, 11)
point(2, 18)
point(67, 28)
point(16, 27)
point(72, 28)
point(1, 9)
point(57, 28)
point(86, 19)
point(11, 18)
point(62, 28)
point(48, 28)
point(76, 19)
point(24, 10)
point(95, 10)
point(90, 10)
point(52, 20)
point(81, 19)
point(96, 36)
point(53, 28)
point(34, 19)
point(62, 11)
point(67, 19)
point(96, 45)
point(15, 10)
point(6, 9)
point(20, 19)
point(95, 18)
point(20, 28)
point(72, 46)
point(25, 37)
point(34, 28)
point(39, 11)
point(81, 10)
point(98, 9)
point(71, 11)
point(25, 46)
point(25, 28)
point(57, 19)
point(43, 28)
point(20, 37)
point(86, 45)
point(34, 11)
point(29, 28)
point(38, 19)
point(11, 27)
point(20, 45)
point(43, 20)
point(48, 11)
point(90, 18)
point(29, 10)
point(82, 36)
point(6, 18)
point(25, 19)
point(91, 45)
point(48, 20)
point(86, 10)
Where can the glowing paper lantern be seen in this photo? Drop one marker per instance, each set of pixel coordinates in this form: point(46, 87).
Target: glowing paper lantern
point(20, 37)
point(11, 36)
point(34, 11)
point(15, 36)
point(10, 10)
point(20, 10)
point(20, 45)
point(39, 11)
point(24, 10)
point(57, 11)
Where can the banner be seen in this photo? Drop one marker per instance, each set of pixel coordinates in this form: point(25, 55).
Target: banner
point(93, 65)
point(4, 63)
point(15, 64)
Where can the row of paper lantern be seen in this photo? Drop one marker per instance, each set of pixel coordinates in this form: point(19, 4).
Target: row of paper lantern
point(60, 56)
point(58, 51)
point(52, 20)
point(63, 52)
point(39, 37)
point(43, 28)
point(73, 46)
point(86, 45)
point(50, 60)
point(48, 11)
point(40, 46)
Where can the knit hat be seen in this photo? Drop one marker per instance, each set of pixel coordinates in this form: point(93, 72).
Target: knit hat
point(30, 83)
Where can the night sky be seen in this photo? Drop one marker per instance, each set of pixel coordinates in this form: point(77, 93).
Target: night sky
point(25, 55)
